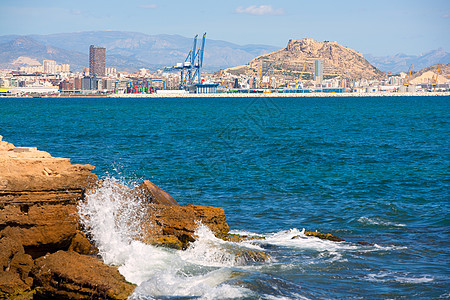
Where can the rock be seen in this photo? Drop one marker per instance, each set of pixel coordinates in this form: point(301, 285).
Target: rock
point(169, 241)
point(155, 194)
point(323, 236)
point(182, 221)
point(164, 221)
point(38, 198)
point(237, 238)
point(248, 256)
point(69, 275)
point(81, 244)
point(15, 268)
point(5, 146)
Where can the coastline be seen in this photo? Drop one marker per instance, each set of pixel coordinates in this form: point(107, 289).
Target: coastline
point(278, 95)
point(246, 95)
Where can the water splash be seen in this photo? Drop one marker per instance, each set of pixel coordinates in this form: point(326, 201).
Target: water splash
point(112, 217)
point(208, 250)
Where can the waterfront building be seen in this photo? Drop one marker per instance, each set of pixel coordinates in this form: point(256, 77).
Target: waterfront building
point(91, 83)
point(66, 85)
point(97, 61)
point(108, 84)
point(77, 83)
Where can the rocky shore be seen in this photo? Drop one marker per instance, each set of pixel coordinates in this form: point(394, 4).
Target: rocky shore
point(44, 250)
point(44, 253)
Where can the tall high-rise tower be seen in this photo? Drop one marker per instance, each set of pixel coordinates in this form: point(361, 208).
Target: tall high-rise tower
point(97, 61)
point(318, 70)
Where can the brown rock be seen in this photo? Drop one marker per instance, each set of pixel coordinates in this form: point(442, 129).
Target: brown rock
point(81, 244)
point(15, 267)
point(324, 236)
point(182, 221)
point(155, 194)
point(69, 275)
point(237, 238)
point(38, 198)
point(169, 241)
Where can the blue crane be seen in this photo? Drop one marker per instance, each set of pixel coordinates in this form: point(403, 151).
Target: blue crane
point(192, 65)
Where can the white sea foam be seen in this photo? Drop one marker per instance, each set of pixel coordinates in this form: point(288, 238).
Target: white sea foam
point(207, 286)
point(295, 238)
point(112, 217)
point(389, 248)
point(208, 250)
point(388, 276)
point(379, 222)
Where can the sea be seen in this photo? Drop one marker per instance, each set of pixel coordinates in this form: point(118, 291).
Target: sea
point(373, 171)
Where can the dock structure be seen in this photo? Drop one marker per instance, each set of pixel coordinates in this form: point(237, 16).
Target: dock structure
point(190, 69)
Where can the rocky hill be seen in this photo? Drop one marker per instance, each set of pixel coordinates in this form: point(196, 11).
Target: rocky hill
point(338, 62)
point(427, 75)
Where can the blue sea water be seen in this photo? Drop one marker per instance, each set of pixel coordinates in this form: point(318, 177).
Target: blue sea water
point(371, 170)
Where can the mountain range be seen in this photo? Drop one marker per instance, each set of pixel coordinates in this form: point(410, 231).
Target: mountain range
point(130, 51)
point(402, 62)
point(126, 51)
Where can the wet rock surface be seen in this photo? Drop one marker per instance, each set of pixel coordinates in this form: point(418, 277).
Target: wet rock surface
point(38, 215)
point(324, 236)
point(69, 275)
point(154, 194)
point(182, 221)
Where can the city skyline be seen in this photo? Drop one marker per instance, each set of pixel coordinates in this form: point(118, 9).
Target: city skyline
point(387, 28)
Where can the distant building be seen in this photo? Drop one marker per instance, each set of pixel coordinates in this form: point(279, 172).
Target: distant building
point(66, 85)
point(318, 70)
point(91, 83)
point(111, 71)
point(63, 68)
point(206, 88)
point(97, 61)
point(49, 66)
point(108, 84)
point(77, 84)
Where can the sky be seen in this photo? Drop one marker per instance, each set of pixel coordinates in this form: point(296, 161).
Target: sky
point(377, 27)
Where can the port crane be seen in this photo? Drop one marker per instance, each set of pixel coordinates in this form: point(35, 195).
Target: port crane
point(409, 76)
point(192, 65)
point(435, 79)
point(301, 74)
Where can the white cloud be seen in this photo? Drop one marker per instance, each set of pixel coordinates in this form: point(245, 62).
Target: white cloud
point(259, 10)
point(75, 12)
point(446, 16)
point(149, 6)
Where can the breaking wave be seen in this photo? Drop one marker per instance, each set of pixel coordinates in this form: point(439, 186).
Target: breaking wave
point(210, 268)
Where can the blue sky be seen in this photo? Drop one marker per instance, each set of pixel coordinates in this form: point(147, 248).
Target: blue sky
point(378, 27)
